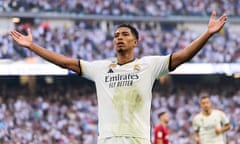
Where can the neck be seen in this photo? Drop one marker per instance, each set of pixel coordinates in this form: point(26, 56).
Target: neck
point(164, 123)
point(207, 112)
point(124, 57)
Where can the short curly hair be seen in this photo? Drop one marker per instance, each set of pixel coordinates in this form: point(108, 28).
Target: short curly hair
point(132, 28)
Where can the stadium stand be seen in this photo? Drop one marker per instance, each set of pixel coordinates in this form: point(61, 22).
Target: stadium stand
point(64, 109)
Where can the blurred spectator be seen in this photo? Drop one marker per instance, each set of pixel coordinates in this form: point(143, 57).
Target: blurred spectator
point(125, 7)
point(54, 115)
point(77, 42)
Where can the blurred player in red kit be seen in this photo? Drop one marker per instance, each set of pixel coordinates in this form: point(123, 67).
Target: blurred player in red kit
point(161, 130)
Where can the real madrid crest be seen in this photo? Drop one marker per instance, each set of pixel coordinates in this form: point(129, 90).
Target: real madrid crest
point(136, 68)
point(111, 67)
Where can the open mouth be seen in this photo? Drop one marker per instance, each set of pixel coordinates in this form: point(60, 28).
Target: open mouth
point(120, 43)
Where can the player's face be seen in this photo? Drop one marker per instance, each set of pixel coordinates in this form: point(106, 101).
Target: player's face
point(205, 104)
point(165, 117)
point(124, 39)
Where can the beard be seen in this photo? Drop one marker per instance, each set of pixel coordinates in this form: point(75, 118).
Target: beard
point(121, 50)
point(207, 110)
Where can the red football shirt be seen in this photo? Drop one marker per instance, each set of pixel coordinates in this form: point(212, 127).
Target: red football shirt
point(161, 133)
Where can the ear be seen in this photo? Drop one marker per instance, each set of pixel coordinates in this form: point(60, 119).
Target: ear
point(136, 42)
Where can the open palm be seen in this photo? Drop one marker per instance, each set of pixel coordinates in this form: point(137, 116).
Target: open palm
point(215, 25)
point(22, 39)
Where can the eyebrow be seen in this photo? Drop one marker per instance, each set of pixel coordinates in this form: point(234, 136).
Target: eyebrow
point(124, 32)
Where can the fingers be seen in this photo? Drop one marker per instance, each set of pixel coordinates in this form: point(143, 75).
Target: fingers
point(29, 32)
point(16, 35)
point(223, 18)
point(213, 16)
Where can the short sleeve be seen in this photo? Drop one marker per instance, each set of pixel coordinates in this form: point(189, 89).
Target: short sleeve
point(224, 118)
point(195, 124)
point(88, 69)
point(160, 65)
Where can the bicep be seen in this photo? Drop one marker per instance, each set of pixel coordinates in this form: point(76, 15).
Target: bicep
point(73, 64)
point(176, 60)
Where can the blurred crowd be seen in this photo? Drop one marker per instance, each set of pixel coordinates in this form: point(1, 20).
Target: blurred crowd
point(90, 41)
point(182, 103)
point(125, 7)
point(66, 112)
point(57, 114)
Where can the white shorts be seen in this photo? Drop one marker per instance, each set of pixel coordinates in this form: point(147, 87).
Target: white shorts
point(123, 140)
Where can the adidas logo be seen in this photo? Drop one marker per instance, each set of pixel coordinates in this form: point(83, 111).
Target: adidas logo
point(110, 71)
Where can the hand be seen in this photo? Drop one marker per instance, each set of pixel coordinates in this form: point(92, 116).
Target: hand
point(22, 39)
point(197, 140)
point(215, 25)
point(218, 131)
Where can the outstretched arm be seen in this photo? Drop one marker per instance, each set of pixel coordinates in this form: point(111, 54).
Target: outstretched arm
point(196, 137)
point(214, 26)
point(58, 59)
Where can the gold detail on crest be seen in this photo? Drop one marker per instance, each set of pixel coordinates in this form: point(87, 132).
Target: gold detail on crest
point(112, 65)
point(136, 67)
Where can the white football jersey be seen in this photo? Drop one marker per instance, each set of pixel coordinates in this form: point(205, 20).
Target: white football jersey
point(206, 125)
point(124, 93)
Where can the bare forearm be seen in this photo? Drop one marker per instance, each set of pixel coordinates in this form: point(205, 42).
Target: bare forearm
point(190, 51)
point(58, 59)
point(195, 46)
point(196, 138)
point(214, 26)
point(48, 55)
